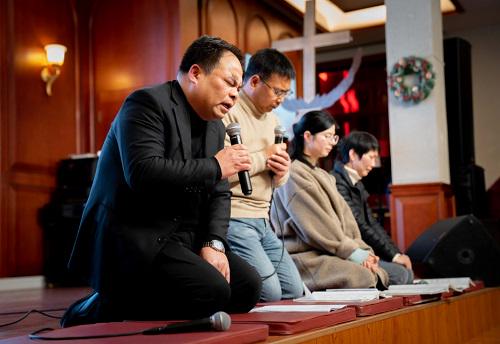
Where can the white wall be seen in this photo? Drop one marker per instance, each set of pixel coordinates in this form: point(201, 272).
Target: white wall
point(485, 46)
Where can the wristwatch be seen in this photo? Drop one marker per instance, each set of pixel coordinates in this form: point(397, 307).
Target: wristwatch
point(216, 245)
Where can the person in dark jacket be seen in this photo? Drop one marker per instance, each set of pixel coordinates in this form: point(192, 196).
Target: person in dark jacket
point(152, 239)
point(357, 156)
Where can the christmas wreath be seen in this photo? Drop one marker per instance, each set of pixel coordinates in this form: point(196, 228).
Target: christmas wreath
point(420, 72)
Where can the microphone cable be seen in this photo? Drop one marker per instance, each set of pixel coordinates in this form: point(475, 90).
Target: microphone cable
point(273, 187)
point(282, 236)
point(27, 313)
point(35, 335)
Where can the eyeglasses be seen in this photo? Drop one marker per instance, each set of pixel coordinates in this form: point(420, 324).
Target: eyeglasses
point(333, 138)
point(278, 92)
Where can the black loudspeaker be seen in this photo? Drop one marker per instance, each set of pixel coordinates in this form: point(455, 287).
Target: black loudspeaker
point(60, 218)
point(467, 179)
point(457, 247)
point(470, 191)
point(458, 79)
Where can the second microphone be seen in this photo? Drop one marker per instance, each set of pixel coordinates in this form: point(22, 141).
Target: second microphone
point(233, 130)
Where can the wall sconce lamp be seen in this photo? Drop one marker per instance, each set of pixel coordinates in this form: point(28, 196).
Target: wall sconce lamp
point(55, 59)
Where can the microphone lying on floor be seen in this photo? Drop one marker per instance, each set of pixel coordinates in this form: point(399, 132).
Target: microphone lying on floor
point(219, 321)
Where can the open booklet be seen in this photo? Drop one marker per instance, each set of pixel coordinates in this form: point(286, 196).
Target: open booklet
point(342, 295)
point(430, 286)
point(457, 283)
point(297, 308)
point(415, 289)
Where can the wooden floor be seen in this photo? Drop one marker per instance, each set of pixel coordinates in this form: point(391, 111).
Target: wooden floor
point(15, 304)
point(471, 318)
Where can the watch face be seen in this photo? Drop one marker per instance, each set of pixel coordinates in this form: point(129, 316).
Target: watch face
point(218, 245)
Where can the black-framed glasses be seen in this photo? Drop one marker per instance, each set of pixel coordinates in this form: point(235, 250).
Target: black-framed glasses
point(278, 92)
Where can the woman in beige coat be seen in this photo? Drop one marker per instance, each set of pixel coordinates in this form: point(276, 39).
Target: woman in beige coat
point(320, 231)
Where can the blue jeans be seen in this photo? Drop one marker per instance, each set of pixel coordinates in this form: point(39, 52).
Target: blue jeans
point(255, 241)
point(398, 274)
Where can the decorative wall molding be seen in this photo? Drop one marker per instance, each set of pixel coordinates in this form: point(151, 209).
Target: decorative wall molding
point(257, 34)
point(220, 20)
point(414, 207)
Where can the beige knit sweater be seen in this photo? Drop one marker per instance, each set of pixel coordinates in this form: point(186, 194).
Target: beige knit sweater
point(257, 133)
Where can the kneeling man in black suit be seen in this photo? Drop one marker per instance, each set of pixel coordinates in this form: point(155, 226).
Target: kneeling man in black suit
point(152, 240)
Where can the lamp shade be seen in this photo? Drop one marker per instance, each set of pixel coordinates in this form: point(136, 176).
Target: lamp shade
point(55, 53)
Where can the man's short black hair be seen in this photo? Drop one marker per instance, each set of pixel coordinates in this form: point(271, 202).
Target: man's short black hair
point(206, 51)
point(361, 141)
point(266, 62)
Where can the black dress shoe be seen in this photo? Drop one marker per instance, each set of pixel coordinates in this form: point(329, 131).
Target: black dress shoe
point(84, 311)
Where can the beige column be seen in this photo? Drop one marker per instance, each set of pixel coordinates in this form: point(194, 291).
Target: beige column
point(418, 132)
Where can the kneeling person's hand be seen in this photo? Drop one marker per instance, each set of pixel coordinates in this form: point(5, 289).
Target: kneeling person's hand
point(217, 259)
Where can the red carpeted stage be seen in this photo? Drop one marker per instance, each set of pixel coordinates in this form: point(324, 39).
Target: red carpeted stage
point(469, 318)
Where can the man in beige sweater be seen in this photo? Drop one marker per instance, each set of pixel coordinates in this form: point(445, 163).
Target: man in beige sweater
point(265, 85)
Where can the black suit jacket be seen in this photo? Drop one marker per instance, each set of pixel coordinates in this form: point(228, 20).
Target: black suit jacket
point(144, 177)
point(357, 198)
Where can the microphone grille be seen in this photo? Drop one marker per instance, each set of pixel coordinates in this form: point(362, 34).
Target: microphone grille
point(279, 131)
point(233, 129)
point(221, 321)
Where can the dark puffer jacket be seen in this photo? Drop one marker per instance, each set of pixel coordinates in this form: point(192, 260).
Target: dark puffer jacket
point(357, 198)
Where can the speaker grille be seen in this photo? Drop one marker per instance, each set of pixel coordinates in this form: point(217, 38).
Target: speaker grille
point(458, 247)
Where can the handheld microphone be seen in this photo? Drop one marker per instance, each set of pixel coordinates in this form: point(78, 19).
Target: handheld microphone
point(220, 321)
point(279, 137)
point(233, 130)
point(279, 134)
